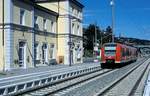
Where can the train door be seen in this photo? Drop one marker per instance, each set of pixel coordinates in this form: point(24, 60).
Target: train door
point(22, 54)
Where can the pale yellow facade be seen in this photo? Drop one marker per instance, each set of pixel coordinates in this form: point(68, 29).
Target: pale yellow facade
point(36, 33)
point(26, 37)
point(1, 39)
point(17, 5)
point(50, 5)
point(69, 30)
point(22, 34)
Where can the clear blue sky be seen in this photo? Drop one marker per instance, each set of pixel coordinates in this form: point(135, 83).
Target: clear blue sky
point(132, 17)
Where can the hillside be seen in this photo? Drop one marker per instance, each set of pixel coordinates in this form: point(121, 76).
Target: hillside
point(133, 41)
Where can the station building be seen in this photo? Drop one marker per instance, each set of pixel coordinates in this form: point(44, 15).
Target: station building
point(34, 32)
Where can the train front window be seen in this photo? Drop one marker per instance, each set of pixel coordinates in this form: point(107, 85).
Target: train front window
point(110, 52)
point(110, 49)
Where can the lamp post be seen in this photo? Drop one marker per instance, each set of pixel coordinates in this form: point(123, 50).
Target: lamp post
point(95, 43)
point(95, 34)
point(113, 18)
point(102, 37)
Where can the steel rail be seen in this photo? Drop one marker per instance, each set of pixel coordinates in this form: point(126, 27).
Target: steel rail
point(113, 84)
point(78, 81)
point(138, 81)
point(146, 89)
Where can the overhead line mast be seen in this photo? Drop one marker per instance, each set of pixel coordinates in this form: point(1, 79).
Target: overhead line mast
point(113, 18)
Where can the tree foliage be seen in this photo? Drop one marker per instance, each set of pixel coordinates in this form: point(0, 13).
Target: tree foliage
point(89, 36)
point(103, 36)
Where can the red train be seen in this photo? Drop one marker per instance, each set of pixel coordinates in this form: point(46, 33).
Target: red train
point(116, 53)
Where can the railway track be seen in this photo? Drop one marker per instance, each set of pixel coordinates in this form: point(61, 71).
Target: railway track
point(96, 83)
point(20, 84)
point(68, 83)
point(126, 85)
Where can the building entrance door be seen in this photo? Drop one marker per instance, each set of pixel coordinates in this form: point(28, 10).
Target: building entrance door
point(45, 53)
point(22, 54)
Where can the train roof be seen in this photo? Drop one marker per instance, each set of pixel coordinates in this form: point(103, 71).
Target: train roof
point(110, 44)
point(114, 44)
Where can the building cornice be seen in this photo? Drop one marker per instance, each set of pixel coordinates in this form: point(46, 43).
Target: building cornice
point(73, 1)
point(77, 3)
point(71, 17)
point(30, 2)
point(71, 35)
point(36, 31)
point(23, 28)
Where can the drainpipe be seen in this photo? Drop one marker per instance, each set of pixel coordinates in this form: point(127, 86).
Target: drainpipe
point(3, 24)
point(57, 33)
point(3, 35)
point(57, 25)
point(70, 54)
point(33, 38)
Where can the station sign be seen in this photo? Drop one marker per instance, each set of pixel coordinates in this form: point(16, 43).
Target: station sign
point(95, 48)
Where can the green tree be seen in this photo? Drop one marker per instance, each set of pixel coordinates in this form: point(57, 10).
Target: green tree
point(89, 37)
point(107, 35)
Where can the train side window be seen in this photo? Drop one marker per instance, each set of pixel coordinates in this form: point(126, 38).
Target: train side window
point(128, 52)
point(123, 52)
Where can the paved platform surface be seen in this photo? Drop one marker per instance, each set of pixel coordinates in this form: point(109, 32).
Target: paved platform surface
point(14, 81)
point(41, 69)
point(147, 86)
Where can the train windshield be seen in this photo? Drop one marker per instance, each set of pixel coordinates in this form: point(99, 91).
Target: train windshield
point(110, 52)
point(110, 49)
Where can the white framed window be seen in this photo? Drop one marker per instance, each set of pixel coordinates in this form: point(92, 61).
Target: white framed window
point(22, 54)
point(78, 30)
point(81, 15)
point(35, 19)
point(44, 25)
point(52, 50)
point(73, 28)
point(78, 14)
point(22, 16)
point(52, 26)
point(36, 51)
point(36, 26)
point(45, 52)
point(71, 9)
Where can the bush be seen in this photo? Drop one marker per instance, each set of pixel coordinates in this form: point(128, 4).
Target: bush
point(88, 53)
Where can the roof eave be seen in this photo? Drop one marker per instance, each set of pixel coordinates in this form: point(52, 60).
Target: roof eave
point(40, 7)
point(74, 1)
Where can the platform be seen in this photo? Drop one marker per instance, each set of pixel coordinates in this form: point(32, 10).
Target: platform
point(42, 69)
point(147, 86)
point(15, 81)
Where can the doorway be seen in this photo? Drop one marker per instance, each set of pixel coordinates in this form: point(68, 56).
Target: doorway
point(45, 53)
point(22, 54)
